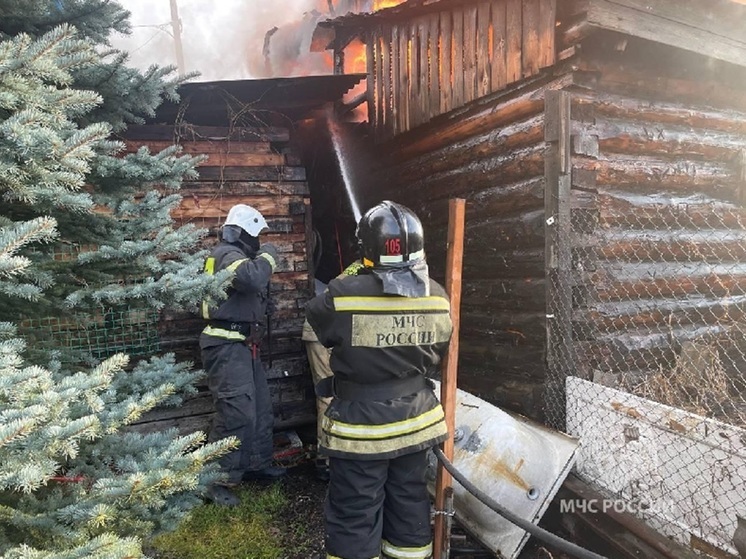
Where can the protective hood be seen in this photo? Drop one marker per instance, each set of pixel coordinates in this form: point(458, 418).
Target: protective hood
point(247, 218)
point(407, 281)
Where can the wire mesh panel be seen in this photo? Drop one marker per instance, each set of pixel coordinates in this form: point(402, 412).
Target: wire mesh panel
point(646, 309)
point(80, 337)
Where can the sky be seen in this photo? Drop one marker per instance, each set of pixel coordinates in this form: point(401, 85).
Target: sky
point(222, 39)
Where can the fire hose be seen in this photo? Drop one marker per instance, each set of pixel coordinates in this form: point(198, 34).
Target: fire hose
point(539, 533)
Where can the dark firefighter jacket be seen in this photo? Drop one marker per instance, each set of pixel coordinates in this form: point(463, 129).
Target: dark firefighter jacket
point(242, 314)
point(380, 339)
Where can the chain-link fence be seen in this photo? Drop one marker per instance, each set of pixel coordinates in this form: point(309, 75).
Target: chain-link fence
point(650, 369)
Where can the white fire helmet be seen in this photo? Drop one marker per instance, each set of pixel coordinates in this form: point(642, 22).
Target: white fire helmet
point(247, 218)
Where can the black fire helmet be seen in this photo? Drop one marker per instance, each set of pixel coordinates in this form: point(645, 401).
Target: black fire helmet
point(390, 235)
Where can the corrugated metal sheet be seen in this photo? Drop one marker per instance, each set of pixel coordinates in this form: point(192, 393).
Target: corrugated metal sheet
point(216, 103)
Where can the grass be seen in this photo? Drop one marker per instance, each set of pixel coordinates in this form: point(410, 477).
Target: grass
point(247, 531)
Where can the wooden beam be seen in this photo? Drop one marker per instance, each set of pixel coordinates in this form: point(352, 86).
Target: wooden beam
point(558, 247)
point(712, 28)
point(454, 265)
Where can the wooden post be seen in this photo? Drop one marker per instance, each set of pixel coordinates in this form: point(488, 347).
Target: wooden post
point(176, 27)
point(558, 252)
point(454, 263)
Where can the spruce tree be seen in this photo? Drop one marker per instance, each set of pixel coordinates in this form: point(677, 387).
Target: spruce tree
point(85, 231)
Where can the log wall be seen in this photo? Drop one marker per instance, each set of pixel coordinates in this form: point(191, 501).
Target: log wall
point(255, 167)
point(658, 224)
point(493, 156)
point(442, 60)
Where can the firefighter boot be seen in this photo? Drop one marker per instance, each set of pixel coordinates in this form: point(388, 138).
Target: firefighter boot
point(268, 473)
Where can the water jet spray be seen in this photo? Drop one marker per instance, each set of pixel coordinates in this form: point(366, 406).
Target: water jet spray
point(335, 132)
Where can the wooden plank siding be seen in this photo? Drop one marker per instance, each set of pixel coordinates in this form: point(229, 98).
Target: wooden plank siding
point(447, 59)
point(265, 175)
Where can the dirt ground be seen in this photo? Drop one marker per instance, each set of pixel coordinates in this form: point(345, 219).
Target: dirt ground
point(303, 531)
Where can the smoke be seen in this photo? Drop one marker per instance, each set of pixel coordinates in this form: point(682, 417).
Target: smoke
point(225, 40)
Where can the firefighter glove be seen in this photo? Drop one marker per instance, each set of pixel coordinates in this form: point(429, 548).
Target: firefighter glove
point(268, 251)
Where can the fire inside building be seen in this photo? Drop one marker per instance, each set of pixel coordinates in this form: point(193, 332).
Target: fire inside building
point(600, 146)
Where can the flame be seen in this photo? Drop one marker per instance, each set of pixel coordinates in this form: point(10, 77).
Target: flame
point(383, 4)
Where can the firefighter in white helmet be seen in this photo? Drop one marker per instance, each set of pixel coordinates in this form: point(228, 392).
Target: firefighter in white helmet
point(230, 351)
point(388, 326)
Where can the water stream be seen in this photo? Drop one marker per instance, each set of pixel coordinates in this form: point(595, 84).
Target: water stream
point(335, 132)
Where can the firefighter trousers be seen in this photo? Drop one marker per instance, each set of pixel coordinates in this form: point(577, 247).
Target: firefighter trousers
point(378, 508)
point(243, 407)
point(318, 359)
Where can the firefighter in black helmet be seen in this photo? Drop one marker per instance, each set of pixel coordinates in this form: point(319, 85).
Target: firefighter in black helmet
point(387, 327)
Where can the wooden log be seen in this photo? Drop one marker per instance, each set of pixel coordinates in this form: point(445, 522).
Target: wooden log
point(494, 235)
point(217, 208)
point(656, 82)
point(188, 132)
point(244, 174)
point(513, 136)
point(202, 147)
point(519, 395)
point(513, 167)
point(503, 200)
point(489, 114)
point(642, 175)
point(715, 281)
point(515, 327)
point(661, 314)
point(504, 264)
point(503, 294)
point(663, 114)
point(674, 246)
point(617, 212)
point(254, 188)
point(666, 141)
point(683, 24)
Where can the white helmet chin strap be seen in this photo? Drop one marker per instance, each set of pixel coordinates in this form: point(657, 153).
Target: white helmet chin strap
point(247, 218)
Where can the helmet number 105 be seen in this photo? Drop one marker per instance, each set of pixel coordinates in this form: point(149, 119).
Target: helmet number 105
point(393, 246)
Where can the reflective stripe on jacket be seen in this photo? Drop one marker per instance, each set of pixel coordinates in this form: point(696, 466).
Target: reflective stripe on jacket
point(247, 294)
point(377, 338)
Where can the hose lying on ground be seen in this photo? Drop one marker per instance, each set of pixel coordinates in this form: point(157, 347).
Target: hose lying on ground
point(539, 533)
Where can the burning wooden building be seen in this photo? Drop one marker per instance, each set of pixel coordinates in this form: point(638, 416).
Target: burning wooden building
point(601, 148)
